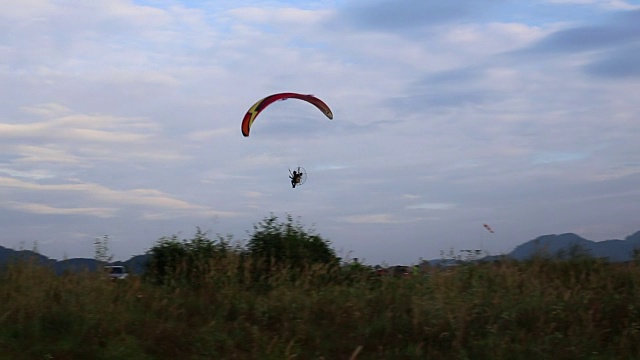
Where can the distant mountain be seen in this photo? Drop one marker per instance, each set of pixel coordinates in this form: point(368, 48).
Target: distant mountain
point(566, 244)
point(7, 255)
point(547, 245)
point(563, 246)
point(135, 265)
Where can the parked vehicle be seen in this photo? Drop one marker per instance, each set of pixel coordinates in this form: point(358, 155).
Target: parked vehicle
point(116, 272)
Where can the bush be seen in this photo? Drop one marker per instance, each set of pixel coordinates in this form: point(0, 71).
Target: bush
point(174, 261)
point(275, 244)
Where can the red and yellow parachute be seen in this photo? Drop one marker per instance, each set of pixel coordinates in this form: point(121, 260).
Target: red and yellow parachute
point(253, 112)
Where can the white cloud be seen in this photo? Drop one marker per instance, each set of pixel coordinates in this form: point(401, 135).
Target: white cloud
point(377, 219)
point(284, 16)
point(31, 174)
point(145, 198)
point(253, 194)
point(607, 4)
point(432, 206)
point(78, 127)
point(209, 135)
point(411, 196)
point(46, 110)
point(44, 209)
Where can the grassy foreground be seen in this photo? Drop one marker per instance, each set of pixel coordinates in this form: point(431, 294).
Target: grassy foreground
point(542, 309)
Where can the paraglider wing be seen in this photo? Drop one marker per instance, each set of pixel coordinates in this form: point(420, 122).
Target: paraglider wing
point(253, 112)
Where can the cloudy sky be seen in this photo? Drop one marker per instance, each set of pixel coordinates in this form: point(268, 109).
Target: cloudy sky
point(122, 118)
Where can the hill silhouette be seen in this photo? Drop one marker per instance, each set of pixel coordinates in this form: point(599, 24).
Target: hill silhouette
point(134, 265)
point(563, 245)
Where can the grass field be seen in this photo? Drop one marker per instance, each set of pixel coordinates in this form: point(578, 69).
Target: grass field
point(541, 309)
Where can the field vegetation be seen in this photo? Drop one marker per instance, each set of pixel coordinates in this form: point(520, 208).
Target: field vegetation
point(206, 299)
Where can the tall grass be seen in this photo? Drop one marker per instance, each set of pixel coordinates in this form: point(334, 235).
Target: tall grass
point(540, 309)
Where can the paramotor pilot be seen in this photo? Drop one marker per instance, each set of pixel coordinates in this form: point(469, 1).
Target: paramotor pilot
point(295, 178)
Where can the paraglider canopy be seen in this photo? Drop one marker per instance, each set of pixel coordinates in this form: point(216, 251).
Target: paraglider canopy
point(253, 112)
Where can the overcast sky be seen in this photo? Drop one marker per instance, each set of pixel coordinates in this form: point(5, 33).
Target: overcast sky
point(122, 118)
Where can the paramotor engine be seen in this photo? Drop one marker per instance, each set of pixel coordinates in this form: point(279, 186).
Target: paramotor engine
point(255, 110)
point(301, 178)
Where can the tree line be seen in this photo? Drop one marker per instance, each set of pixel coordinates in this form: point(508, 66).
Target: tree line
point(275, 247)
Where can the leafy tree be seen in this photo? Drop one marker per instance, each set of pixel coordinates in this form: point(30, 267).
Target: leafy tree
point(101, 245)
point(635, 255)
point(288, 244)
point(184, 261)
